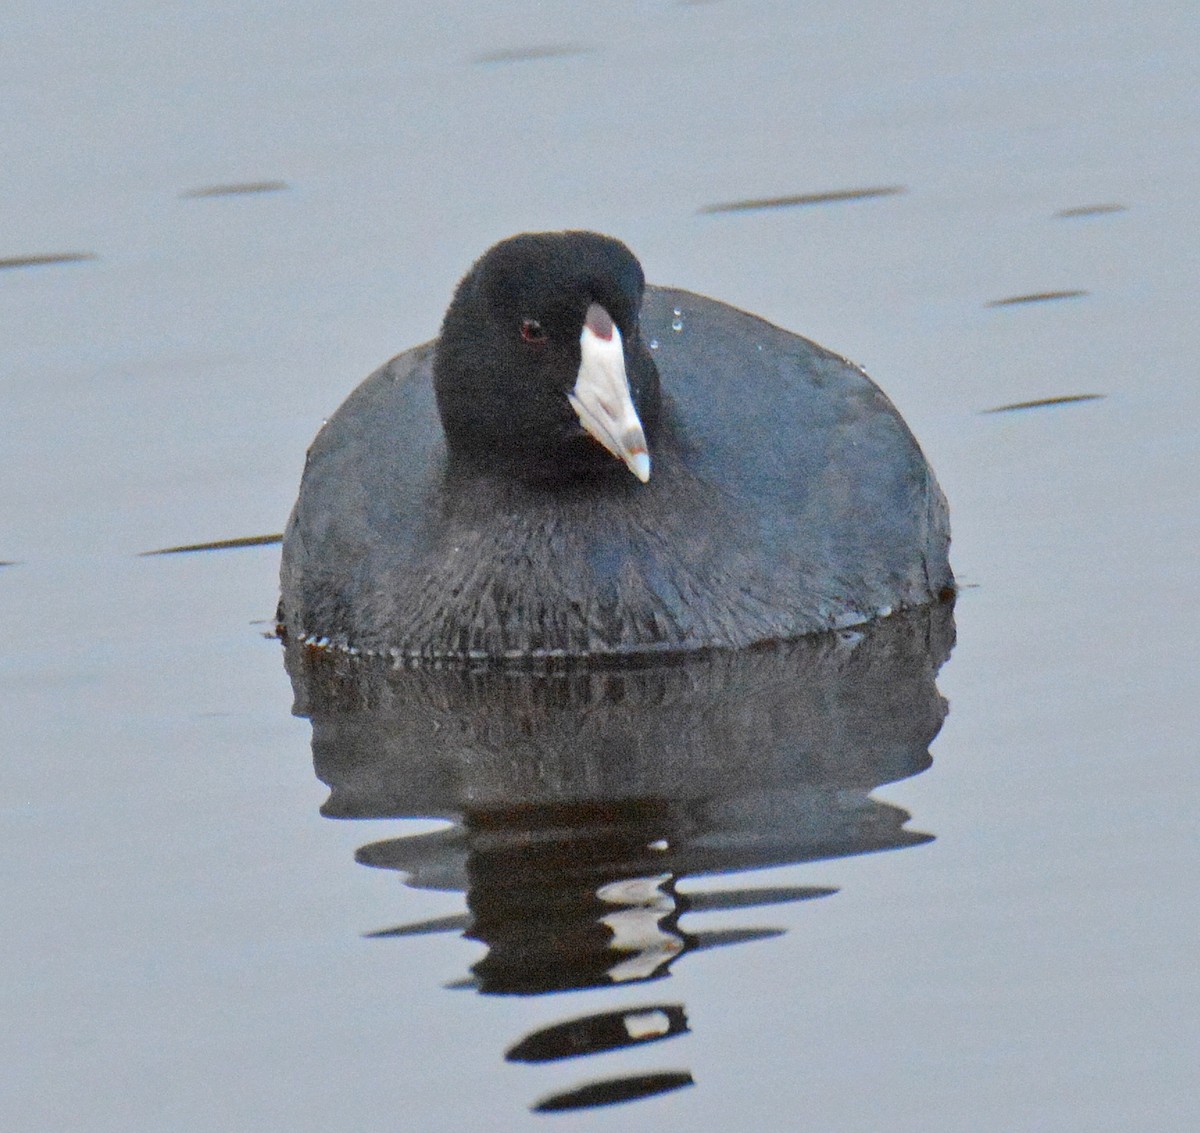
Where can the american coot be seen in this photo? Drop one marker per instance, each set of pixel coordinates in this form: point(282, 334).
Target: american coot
point(580, 465)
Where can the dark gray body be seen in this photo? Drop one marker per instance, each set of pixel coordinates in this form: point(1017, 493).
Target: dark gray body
point(786, 497)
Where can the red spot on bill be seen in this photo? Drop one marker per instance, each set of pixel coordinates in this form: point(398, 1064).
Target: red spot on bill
point(599, 322)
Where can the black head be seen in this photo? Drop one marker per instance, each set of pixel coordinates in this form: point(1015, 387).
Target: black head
point(509, 367)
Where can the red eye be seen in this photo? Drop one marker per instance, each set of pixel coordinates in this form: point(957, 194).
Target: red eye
point(531, 331)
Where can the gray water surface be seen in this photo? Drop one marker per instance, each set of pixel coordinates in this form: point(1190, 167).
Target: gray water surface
point(187, 939)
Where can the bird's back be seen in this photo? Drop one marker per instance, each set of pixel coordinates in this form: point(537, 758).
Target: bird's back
point(787, 497)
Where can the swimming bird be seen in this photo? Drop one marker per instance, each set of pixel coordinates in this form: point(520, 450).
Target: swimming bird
point(581, 465)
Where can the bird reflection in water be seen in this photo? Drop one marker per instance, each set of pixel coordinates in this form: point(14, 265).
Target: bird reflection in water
point(580, 800)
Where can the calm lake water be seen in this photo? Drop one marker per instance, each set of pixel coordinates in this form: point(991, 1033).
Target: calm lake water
point(740, 893)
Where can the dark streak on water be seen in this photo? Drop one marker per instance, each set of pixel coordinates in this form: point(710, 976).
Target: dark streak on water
point(615, 1090)
point(832, 197)
point(456, 922)
point(218, 545)
point(1042, 402)
point(41, 261)
point(527, 54)
point(1089, 210)
point(240, 190)
point(710, 901)
point(596, 1034)
point(1035, 297)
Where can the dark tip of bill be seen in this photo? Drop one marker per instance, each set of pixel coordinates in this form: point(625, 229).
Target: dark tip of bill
point(219, 545)
point(241, 189)
point(1035, 297)
point(44, 260)
point(528, 54)
point(614, 1090)
point(1089, 210)
point(834, 196)
point(1043, 402)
